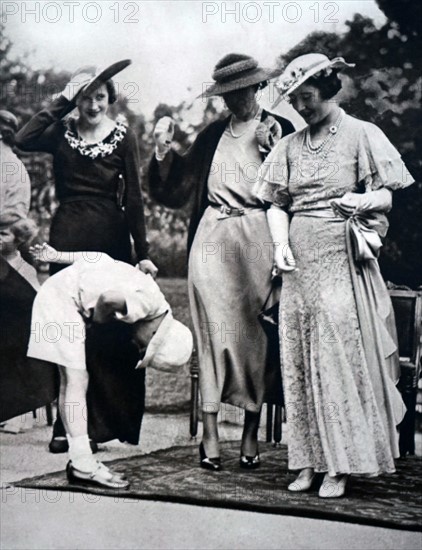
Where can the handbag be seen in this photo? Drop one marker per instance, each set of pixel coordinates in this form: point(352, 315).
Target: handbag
point(268, 317)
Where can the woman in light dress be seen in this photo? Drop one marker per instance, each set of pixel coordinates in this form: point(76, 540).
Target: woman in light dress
point(334, 180)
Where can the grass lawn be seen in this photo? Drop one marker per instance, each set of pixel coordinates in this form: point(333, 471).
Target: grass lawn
point(176, 293)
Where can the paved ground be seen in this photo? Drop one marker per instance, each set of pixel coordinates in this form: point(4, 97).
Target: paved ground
point(41, 519)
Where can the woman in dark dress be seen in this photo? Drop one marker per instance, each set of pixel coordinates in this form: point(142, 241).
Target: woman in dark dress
point(97, 178)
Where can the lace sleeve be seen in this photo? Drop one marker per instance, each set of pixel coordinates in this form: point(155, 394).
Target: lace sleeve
point(379, 162)
point(273, 177)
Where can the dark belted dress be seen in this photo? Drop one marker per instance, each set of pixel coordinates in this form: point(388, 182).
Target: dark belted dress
point(98, 187)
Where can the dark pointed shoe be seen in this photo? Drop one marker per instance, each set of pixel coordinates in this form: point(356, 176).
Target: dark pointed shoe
point(213, 464)
point(249, 462)
point(100, 477)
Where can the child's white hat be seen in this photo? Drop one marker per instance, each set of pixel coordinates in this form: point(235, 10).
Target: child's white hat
point(170, 347)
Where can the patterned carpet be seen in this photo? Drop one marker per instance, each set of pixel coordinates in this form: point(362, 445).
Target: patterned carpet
point(173, 475)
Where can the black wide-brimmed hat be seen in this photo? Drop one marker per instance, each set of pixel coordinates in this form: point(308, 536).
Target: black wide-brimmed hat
point(99, 75)
point(236, 71)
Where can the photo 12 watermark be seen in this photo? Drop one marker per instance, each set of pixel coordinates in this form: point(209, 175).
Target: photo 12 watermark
point(270, 12)
point(70, 12)
point(30, 93)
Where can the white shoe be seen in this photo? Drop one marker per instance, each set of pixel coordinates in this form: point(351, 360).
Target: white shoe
point(333, 486)
point(303, 482)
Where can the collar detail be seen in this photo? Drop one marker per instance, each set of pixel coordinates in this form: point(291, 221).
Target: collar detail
point(101, 148)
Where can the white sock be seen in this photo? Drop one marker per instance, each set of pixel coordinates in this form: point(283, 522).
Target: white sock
point(80, 453)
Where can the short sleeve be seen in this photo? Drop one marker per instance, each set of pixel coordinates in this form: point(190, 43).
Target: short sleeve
point(273, 176)
point(379, 162)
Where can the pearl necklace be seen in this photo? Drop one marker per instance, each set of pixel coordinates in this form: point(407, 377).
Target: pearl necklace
point(329, 139)
point(249, 123)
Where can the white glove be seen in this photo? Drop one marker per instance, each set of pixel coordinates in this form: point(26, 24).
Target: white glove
point(77, 83)
point(278, 221)
point(163, 136)
point(283, 258)
point(351, 203)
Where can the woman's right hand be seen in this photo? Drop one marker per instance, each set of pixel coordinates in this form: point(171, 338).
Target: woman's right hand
point(283, 258)
point(73, 87)
point(163, 135)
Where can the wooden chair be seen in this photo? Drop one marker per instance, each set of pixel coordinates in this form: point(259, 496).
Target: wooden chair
point(194, 401)
point(407, 306)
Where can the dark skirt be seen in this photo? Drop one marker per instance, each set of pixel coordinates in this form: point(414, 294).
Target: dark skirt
point(116, 391)
point(25, 383)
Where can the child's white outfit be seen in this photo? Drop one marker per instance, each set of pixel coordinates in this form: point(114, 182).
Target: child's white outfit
point(65, 302)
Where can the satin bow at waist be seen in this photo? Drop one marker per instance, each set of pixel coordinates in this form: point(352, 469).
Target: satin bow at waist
point(365, 234)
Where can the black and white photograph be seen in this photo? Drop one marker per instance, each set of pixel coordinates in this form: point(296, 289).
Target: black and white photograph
point(210, 274)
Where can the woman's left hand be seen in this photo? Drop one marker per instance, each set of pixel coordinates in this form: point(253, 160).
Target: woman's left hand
point(349, 202)
point(148, 267)
point(379, 200)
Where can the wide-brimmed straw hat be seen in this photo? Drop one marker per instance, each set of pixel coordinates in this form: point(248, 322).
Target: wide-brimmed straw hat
point(236, 71)
point(304, 67)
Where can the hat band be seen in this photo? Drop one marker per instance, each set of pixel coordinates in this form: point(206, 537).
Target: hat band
point(236, 76)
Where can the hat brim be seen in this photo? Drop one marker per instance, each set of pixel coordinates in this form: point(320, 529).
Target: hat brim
point(254, 77)
point(337, 63)
point(105, 75)
point(156, 341)
point(8, 119)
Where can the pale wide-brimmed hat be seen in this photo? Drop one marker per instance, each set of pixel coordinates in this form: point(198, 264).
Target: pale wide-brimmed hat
point(236, 71)
point(304, 67)
point(170, 347)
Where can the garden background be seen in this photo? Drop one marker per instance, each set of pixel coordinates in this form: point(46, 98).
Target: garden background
point(385, 88)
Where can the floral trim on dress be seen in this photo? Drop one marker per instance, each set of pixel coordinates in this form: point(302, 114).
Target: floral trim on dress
point(93, 150)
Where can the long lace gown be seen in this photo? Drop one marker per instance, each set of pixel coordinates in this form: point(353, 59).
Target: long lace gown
point(336, 422)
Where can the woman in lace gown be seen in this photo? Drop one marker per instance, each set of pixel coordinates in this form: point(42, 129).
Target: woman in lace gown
point(97, 181)
point(338, 348)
